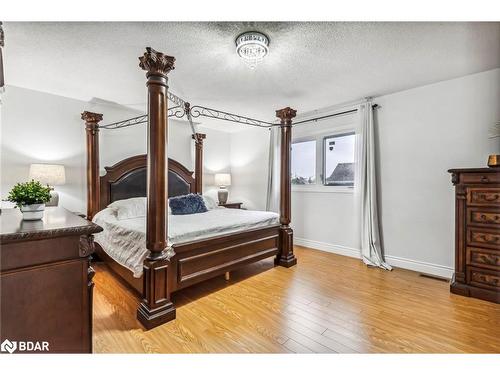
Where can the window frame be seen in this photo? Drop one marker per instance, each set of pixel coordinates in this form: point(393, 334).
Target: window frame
point(323, 159)
point(318, 186)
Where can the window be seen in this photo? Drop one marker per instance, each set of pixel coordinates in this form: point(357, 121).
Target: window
point(338, 160)
point(304, 163)
point(324, 162)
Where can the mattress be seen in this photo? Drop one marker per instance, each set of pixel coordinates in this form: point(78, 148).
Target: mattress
point(125, 240)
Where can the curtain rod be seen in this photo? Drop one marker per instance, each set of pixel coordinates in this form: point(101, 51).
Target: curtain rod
point(374, 106)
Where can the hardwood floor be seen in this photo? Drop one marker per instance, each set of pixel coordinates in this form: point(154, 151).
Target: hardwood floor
point(326, 304)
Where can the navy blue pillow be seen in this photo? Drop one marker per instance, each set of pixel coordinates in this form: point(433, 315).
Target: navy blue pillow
point(187, 204)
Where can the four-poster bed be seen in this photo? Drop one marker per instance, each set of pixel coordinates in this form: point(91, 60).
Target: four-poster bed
point(170, 267)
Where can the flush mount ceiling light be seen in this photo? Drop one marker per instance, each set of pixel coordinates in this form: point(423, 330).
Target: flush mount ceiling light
point(252, 47)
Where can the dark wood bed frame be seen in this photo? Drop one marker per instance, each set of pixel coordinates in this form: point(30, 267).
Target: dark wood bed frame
point(146, 175)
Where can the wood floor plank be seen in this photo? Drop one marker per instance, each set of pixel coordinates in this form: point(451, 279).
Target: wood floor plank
point(295, 347)
point(326, 304)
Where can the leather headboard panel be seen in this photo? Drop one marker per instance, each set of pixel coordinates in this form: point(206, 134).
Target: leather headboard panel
point(134, 184)
point(131, 185)
point(176, 185)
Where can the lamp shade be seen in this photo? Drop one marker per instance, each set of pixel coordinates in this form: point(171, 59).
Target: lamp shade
point(222, 179)
point(50, 174)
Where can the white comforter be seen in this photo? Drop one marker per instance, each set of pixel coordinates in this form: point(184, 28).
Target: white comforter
point(125, 240)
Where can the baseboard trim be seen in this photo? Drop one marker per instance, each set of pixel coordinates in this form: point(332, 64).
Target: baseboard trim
point(336, 249)
point(422, 267)
point(409, 264)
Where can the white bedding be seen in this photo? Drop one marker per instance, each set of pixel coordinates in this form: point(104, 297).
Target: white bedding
point(125, 240)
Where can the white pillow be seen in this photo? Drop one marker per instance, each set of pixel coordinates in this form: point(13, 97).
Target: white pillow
point(130, 208)
point(209, 202)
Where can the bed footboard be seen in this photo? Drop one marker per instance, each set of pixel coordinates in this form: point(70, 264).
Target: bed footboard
point(202, 260)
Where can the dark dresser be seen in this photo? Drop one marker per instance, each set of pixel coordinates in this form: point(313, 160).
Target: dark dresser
point(46, 282)
point(477, 233)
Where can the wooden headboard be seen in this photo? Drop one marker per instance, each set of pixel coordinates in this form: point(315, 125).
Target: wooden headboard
point(128, 179)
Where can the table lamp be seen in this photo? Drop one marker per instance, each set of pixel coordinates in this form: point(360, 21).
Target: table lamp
point(222, 180)
point(49, 174)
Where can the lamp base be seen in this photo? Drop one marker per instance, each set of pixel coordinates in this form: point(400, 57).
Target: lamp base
point(54, 199)
point(494, 161)
point(222, 195)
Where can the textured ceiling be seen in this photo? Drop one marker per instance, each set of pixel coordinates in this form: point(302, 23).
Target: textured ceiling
point(310, 65)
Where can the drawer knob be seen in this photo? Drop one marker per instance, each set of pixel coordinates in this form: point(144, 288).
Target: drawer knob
point(484, 217)
point(482, 237)
point(484, 179)
point(491, 198)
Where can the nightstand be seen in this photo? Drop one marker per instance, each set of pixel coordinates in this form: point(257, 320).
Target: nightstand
point(232, 205)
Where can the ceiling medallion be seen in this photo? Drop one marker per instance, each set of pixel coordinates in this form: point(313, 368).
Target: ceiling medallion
point(252, 47)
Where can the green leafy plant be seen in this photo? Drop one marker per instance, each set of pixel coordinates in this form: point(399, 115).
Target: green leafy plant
point(32, 192)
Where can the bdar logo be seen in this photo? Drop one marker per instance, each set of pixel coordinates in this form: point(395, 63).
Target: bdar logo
point(8, 346)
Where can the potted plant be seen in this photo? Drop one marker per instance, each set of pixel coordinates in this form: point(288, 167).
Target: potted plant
point(30, 197)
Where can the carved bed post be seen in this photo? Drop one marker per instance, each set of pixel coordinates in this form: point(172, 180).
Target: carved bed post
point(93, 189)
point(198, 161)
point(156, 307)
point(286, 258)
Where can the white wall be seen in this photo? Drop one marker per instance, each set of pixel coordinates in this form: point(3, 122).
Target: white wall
point(421, 134)
point(37, 127)
point(116, 145)
point(41, 128)
point(249, 167)
point(216, 158)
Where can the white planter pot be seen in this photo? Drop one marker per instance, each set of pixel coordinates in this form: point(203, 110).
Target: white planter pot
point(33, 211)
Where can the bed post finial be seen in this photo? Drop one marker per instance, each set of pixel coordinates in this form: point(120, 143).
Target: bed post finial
point(156, 63)
point(156, 307)
point(93, 180)
point(286, 115)
point(286, 258)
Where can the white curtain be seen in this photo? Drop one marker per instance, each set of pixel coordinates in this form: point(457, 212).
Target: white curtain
point(366, 189)
point(273, 180)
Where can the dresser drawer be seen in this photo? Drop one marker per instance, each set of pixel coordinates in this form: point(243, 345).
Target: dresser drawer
point(483, 278)
point(483, 237)
point(483, 196)
point(485, 258)
point(479, 178)
point(483, 216)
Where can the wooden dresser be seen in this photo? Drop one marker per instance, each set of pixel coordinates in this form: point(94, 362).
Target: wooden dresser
point(46, 281)
point(477, 233)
